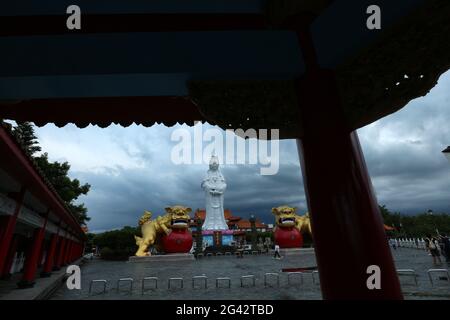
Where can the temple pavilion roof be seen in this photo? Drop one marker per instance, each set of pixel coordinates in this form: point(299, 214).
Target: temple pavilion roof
point(231, 63)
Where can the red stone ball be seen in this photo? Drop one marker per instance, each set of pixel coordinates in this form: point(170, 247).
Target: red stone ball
point(288, 237)
point(178, 241)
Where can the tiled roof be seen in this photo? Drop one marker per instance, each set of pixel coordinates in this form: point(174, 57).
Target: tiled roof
point(201, 213)
point(245, 224)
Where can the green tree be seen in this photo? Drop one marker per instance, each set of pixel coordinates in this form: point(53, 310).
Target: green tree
point(24, 132)
point(57, 173)
point(117, 244)
point(416, 225)
point(68, 189)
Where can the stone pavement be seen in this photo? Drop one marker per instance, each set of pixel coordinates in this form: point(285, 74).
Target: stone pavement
point(230, 266)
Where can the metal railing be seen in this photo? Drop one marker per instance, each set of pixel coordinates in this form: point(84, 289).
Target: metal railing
point(222, 279)
point(292, 274)
point(180, 280)
point(271, 274)
point(104, 282)
point(129, 280)
point(271, 279)
point(408, 272)
point(204, 278)
point(314, 278)
point(154, 279)
point(250, 276)
point(438, 271)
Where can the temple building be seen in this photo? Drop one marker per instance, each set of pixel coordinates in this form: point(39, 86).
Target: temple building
point(229, 218)
point(38, 233)
point(239, 227)
point(246, 225)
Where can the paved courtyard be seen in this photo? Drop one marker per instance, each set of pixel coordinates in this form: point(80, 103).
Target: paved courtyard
point(233, 268)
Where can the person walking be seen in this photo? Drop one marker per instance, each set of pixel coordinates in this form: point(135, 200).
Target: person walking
point(276, 254)
point(445, 240)
point(394, 246)
point(432, 246)
point(240, 251)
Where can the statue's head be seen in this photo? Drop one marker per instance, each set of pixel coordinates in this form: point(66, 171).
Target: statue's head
point(214, 162)
point(285, 216)
point(179, 216)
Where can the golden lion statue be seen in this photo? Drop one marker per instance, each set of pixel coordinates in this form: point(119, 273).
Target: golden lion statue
point(175, 217)
point(287, 217)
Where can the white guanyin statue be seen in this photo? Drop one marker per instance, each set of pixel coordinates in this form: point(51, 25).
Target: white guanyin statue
point(214, 186)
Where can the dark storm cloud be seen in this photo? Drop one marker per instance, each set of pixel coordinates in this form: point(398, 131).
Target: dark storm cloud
point(403, 153)
point(119, 196)
point(130, 169)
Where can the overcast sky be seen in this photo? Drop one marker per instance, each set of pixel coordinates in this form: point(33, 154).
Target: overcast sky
point(130, 169)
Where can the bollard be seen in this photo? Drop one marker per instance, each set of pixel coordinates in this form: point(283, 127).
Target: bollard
point(254, 252)
point(175, 279)
point(130, 280)
point(431, 271)
point(408, 272)
point(205, 279)
point(154, 279)
point(228, 253)
point(98, 281)
point(291, 274)
point(250, 276)
point(314, 278)
point(271, 274)
point(223, 279)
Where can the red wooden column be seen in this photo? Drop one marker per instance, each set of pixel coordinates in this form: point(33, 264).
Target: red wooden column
point(60, 255)
point(50, 258)
point(67, 252)
point(8, 227)
point(70, 252)
point(346, 223)
point(10, 258)
point(42, 252)
point(81, 251)
point(77, 252)
point(3, 224)
point(31, 260)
